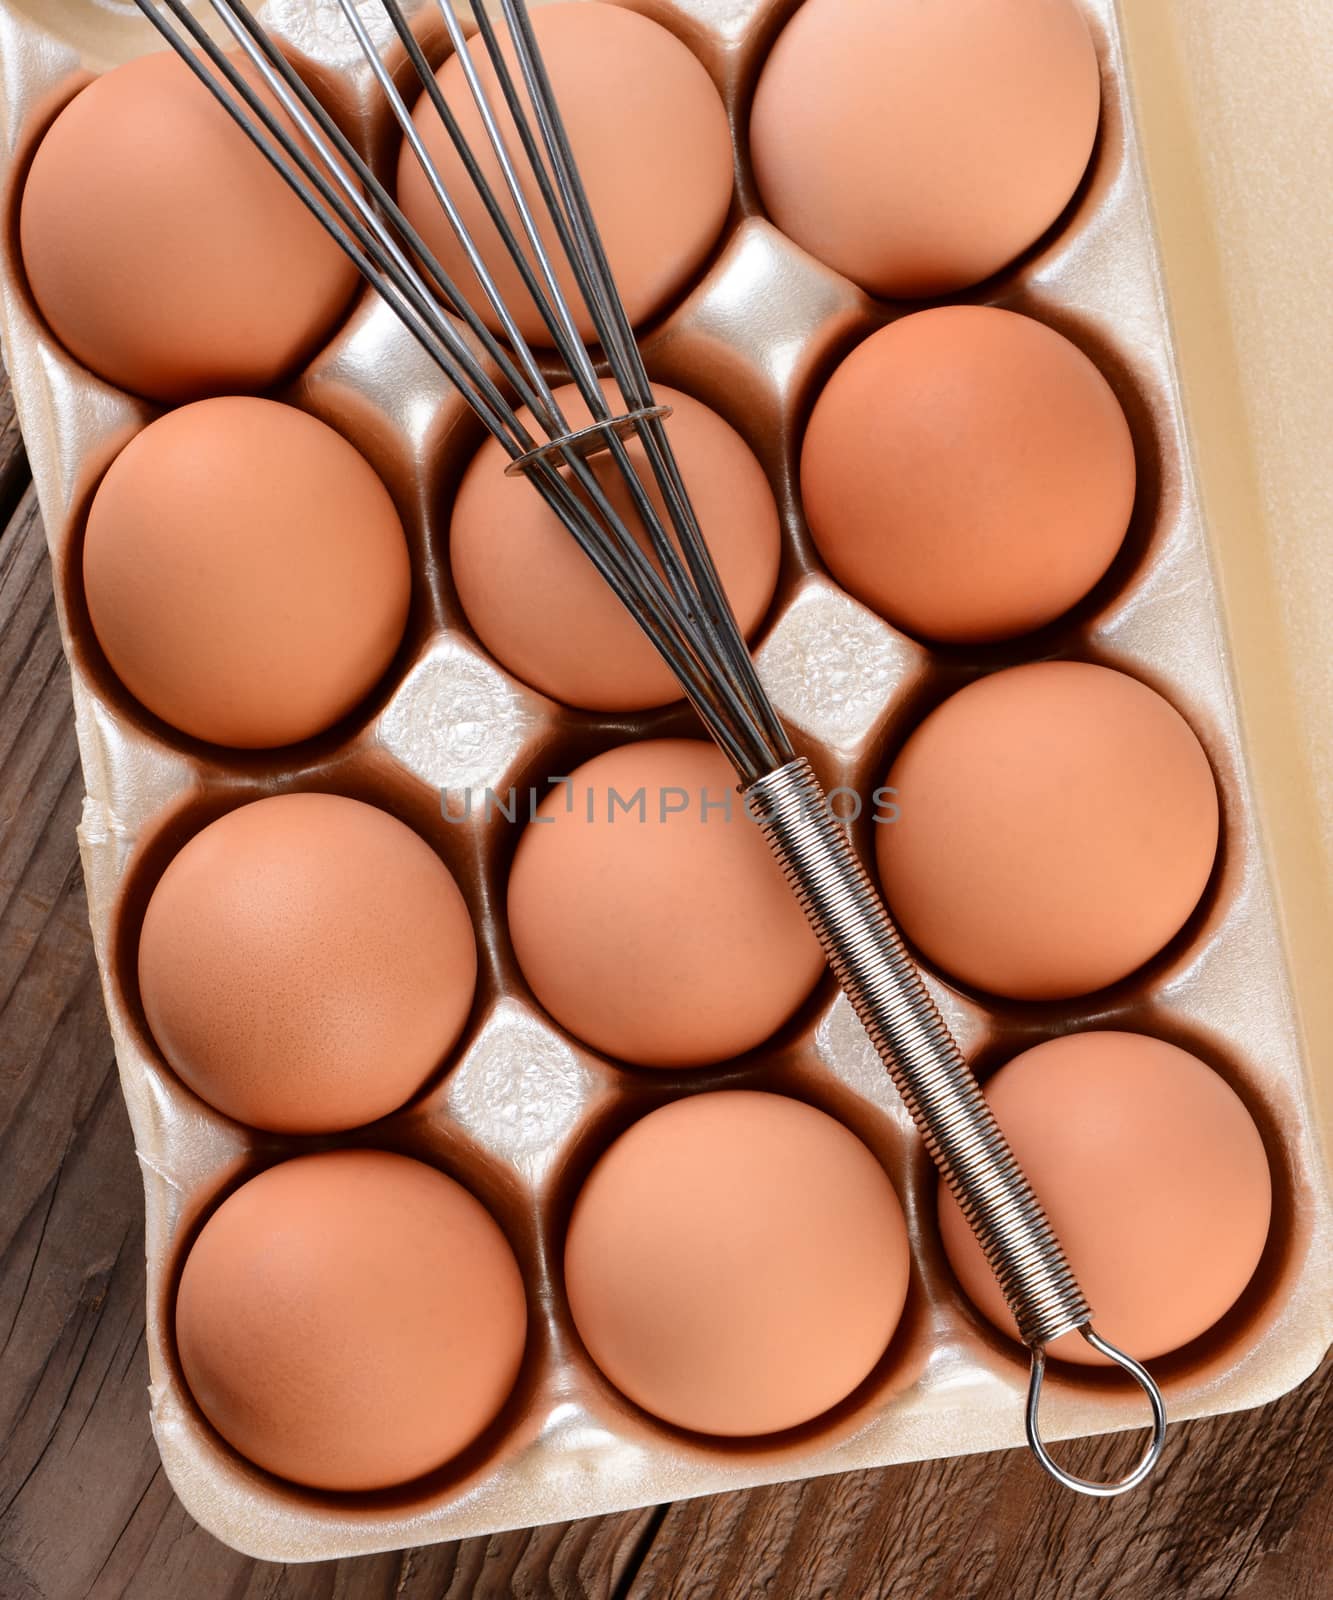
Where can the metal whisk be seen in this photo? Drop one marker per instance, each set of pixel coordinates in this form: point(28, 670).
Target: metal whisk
point(672, 588)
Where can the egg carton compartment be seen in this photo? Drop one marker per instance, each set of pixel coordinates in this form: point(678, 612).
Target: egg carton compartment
point(521, 1110)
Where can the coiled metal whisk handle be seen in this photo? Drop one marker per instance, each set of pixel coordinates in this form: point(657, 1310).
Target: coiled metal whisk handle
point(880, 979)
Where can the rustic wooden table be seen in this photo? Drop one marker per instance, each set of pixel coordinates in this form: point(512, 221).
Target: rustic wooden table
point(1241, 1507)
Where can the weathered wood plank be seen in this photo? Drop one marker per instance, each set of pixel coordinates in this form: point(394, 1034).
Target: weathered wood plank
point(1240, 1507)
point(13, 460)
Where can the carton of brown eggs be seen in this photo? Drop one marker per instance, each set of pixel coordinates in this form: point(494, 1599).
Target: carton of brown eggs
point(522, 1111)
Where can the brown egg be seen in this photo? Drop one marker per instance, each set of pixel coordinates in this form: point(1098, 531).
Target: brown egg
point(544, 611)
point(1153, 1175)
point(1057, 825)
point(351, 1320)
point(306, 963)
point(164, 251)
point(648, 914)
point(737, 1263)
point(968, 473)
point(246, 572)
point(920, 147)
point(650, 135)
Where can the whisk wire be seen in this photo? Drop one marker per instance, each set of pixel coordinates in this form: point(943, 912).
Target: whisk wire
point(531, 386)
point(696, 580)
point(536, 391)
point(616, 334)
point(332, 147)
point(597, 291)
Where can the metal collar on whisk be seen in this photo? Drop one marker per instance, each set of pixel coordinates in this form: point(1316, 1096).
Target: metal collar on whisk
point(671, 588)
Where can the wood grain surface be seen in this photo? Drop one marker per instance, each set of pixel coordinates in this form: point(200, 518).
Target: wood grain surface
point(1241, 1508)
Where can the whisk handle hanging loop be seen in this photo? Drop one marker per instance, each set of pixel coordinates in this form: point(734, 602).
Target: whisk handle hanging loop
point(937, 1085)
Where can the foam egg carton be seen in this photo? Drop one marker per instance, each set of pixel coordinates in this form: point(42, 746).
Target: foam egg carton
point(523, 1110)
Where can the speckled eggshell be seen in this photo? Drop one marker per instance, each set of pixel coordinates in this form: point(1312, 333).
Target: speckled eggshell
point(737, 1263)
point(306, 963)
point(544, 611)
point(351, 1320)
point(1153, 1175)
point(671, 941)
point(918, 146)
point(246, 572)
point(649, 133)
point(968, 474)
point(164, 251)
point(1058, 823)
